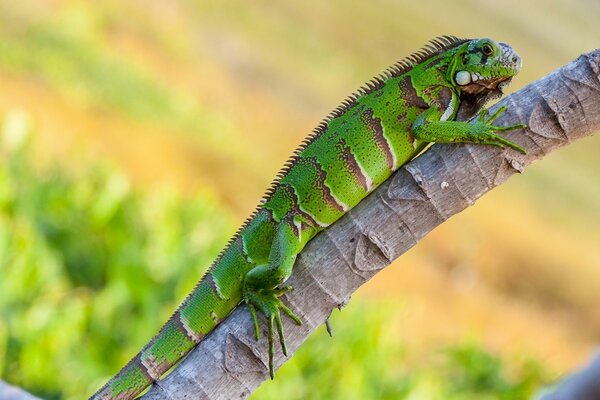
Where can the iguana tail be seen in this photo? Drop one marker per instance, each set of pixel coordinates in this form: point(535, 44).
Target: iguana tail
point(160, 354)
point(211, 301)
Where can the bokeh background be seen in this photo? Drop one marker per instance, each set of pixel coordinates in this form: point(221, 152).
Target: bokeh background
point(137, 135)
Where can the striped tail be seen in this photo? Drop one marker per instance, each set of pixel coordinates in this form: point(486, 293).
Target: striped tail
point(165, 350)
point(211, 301)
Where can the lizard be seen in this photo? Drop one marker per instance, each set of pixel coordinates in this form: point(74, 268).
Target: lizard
point(425, 98)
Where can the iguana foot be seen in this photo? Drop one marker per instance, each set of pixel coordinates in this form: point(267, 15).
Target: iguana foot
point(267, 301)
point(486, 135)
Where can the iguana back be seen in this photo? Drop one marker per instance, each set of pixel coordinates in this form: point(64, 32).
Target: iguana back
point(356, 148)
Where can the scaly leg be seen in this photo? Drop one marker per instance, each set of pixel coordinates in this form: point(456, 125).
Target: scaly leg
point(260, 290)
point(429, 128)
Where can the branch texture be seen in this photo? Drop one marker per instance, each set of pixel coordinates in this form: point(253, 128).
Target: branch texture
point(559, 108)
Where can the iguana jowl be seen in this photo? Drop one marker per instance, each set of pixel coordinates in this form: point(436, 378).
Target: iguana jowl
point(359, 145)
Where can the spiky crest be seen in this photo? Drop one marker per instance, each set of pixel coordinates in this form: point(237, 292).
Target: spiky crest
point(431, 49)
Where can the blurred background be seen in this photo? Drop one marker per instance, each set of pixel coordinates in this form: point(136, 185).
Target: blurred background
point(135, 136)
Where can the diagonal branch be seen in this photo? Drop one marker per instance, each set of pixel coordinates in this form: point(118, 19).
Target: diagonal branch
point(445, 180)
point(584, 384)
point(10, 392)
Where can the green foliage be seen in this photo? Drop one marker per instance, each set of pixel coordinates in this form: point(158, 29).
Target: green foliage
point(90, 267)
point(471, 371)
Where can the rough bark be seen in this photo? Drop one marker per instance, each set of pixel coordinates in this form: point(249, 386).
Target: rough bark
point(559, 108)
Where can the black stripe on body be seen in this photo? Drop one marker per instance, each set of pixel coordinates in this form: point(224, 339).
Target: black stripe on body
point(376, 128)
point(353, 166)
point(239, 241)
point(323, 188)
point(296, 230)
point(410, 95)
point(196, 337)
point(296, 208)
point(137, 362)
point(213, 286)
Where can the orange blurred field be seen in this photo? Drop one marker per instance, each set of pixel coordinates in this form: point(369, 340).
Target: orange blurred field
point(215, 96)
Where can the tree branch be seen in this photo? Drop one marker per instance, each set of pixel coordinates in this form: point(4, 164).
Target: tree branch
point(559, 108)
point(581, 385)
point(10, 392)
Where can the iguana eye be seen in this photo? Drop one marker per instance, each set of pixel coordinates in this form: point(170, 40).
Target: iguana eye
point(487, 49)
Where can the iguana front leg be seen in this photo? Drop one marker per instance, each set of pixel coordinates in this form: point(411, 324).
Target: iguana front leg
point(429, 128)
point(260, 288)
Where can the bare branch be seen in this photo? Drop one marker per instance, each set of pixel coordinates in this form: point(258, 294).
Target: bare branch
point(559, 108)
point(9, 392)
point(582, 385)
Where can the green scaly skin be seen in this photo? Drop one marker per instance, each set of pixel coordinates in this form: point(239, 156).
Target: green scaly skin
point(373, 133)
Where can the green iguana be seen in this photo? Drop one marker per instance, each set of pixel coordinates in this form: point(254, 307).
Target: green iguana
point(375, 131)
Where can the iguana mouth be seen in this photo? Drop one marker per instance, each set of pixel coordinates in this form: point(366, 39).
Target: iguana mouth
point(477, 94)
point(494, 86)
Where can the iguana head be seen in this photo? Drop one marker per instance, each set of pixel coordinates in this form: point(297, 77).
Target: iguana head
point(482, 65)
point(481, 69)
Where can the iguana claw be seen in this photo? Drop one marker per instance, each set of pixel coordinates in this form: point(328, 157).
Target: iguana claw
point(267, 301)
point(489, 137)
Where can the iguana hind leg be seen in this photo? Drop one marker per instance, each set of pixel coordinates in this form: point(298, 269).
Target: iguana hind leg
point(261, 291)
